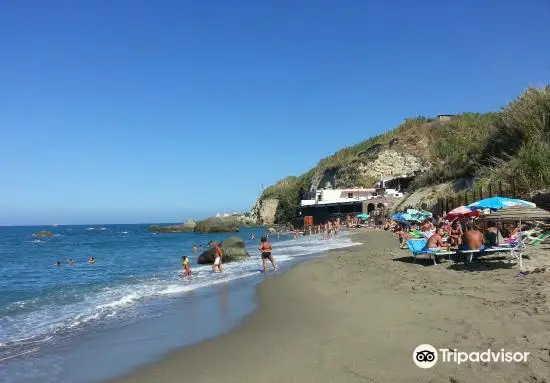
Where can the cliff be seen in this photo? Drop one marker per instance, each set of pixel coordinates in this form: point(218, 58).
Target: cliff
point(450, 155)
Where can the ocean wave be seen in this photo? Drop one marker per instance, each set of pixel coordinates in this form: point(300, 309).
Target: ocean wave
point(25, 330)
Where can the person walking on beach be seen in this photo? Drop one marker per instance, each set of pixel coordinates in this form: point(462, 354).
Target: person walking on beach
point(266, 249)
point(217, 258)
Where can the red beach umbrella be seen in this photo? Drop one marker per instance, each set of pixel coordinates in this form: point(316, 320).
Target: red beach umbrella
point(461, 212)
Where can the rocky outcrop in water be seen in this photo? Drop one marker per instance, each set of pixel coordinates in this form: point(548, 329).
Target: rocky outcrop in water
point(188, 226)
point(218, 225)
point(43, 234)
point(233, 250)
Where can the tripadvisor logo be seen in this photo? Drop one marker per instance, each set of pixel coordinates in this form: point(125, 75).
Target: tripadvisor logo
point(426, 356)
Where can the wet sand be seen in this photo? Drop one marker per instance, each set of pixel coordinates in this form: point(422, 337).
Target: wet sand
point(358, 314)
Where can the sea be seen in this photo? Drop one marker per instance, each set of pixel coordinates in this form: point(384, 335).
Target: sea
point(87, 323)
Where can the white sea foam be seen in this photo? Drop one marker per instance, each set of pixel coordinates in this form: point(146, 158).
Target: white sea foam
point(41, 325)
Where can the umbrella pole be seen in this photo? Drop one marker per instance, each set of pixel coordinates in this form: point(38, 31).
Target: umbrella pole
point(520, 247)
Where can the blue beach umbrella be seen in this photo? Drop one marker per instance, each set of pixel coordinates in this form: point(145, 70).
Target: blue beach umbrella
point(362, 216)
point(497, 203)
point(400, 217)
point(419, 213)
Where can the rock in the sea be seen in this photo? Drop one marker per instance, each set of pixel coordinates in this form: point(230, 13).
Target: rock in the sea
point(218, 225)
point(188, 226)
point(43, 234)
point(233, 250)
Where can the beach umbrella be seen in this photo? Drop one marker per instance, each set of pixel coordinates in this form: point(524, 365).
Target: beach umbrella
point(399, 217)
point(497, 203)
point(413, 218)
point(419, 213)
point(363, 216)
point(461, 212)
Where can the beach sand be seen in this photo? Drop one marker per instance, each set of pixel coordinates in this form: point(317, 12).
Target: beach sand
point(358, 314)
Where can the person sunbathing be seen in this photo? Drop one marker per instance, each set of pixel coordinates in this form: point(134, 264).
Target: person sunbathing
point(426, 226)
point(455, 234)
point(403, 236)
point(435, 242)
point(472, 239)
point(492, 234)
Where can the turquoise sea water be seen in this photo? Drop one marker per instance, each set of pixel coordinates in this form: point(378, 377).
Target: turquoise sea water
point(49, 314)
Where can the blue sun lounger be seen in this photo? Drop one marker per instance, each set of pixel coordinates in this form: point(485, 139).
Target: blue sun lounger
point(418, 247)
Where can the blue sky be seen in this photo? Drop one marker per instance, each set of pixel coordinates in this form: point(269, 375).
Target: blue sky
point(139, 111)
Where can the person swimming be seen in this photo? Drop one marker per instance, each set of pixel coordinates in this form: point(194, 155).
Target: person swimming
point(195, 248)
point(57, 264)
point(91, 260)
point(71, 261)
point(186, 266)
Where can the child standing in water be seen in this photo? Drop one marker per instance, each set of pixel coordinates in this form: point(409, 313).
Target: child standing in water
point(186, 266)
point(217, 258)
point(266, 248)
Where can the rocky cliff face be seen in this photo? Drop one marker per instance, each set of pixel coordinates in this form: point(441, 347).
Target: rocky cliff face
point(264, 211)
point(366, 171)
point(393, 163)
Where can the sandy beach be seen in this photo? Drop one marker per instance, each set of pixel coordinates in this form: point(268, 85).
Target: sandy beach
point(358, 314)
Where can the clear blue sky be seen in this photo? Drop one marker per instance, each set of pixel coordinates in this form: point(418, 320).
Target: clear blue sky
point(137, 111)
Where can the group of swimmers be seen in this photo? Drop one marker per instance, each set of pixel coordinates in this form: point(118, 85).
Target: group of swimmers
point(265, 248)
point(72, 262)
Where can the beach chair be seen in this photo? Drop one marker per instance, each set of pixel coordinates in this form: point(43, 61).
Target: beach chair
point(416, 234)
point(538, 240)
point(416, 246)
point(514, 250)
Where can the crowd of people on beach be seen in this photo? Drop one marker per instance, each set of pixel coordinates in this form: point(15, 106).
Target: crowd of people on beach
point(329, 229)
point(455, 235)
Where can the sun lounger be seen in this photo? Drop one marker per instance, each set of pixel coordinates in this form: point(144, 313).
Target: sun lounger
point(538, 240)
point(416, 234)
point(513, 249)
point(417, 247)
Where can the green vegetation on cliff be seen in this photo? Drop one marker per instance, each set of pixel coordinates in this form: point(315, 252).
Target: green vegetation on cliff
point(514, 142)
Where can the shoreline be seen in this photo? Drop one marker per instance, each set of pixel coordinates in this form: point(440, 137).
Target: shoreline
point(357, 315)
